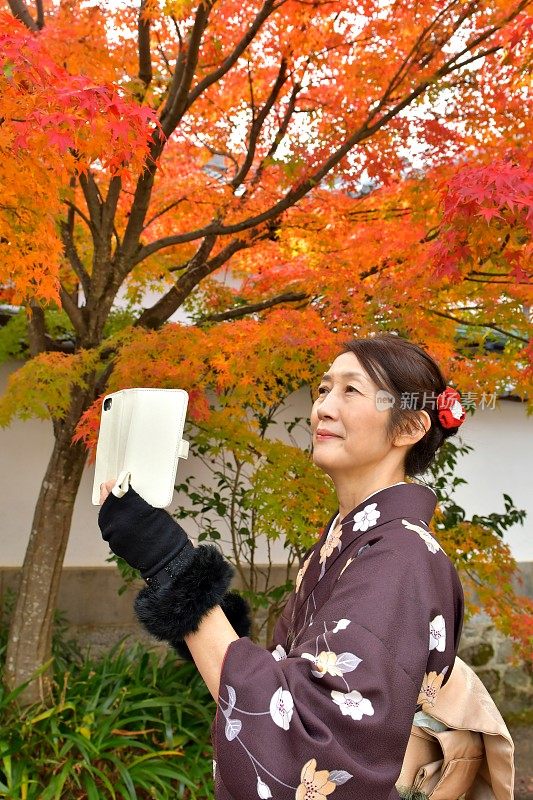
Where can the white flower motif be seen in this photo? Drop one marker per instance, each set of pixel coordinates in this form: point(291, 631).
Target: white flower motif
point(431, 543)
point(281, 708)
point(366, 518)
point(325, 663)
point(214, 769)
point(262, 789)
point(328, 663)
point(279, 653)
point(437, 634)
point(353, 704)
point(341, 625)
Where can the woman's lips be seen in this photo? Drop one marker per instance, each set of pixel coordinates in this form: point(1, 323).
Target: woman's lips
point(326, 435)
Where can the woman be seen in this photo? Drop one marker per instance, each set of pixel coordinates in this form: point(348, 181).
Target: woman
point(371, 631)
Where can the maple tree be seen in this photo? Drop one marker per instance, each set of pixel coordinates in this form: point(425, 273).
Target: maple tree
point(242, 156)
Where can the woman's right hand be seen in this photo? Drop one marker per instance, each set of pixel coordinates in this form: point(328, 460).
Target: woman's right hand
point(147, 538)
point(105, 489)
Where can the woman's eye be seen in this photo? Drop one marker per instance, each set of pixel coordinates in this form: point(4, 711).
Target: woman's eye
point(352, 389)
point(322, 390)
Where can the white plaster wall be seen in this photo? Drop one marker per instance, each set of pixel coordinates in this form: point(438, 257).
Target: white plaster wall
point(501, 462)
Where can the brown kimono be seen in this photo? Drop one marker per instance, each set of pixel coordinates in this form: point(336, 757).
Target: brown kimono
point(365, 641)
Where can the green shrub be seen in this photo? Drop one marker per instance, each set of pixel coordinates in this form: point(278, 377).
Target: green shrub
point(133, 724)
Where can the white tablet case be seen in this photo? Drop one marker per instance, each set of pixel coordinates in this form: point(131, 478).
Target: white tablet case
point(140, 441)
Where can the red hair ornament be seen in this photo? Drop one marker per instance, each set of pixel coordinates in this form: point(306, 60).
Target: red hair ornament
point(451, 412)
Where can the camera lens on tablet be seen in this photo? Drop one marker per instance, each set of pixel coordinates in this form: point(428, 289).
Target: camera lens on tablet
point(107, 403)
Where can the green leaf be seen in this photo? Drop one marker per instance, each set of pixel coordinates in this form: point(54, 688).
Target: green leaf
point(8, 69)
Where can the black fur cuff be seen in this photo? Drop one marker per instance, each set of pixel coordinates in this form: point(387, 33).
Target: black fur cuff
point(171, 611)
point(237, 611)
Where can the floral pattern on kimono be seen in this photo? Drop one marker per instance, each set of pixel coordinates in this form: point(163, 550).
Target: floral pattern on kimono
point(366, 641)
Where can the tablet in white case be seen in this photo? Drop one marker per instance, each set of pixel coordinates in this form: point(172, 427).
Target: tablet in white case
point(140, 441)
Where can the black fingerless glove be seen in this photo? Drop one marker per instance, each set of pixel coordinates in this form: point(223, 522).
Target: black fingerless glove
point(184, 582)
point(148, 538)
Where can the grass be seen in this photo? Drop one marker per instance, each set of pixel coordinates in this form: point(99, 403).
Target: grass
point(130, 725)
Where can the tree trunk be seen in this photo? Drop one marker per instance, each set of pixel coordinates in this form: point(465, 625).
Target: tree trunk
point(30, 635)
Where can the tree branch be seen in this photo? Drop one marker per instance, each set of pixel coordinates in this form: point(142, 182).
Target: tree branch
point(493, 283)
point(482, 54)
point(92, 198)
point(109, 208)
point(72, 254)
point(473, 324)
point(40, 14)
point(133, 253)
point(164, 211)
point(218, 152)
point(79, 212)
point(267, 9)
point(74, 313)
point(20, 11)
point(181, 82)
point(292, 196)
point(253, 308)
point(282, 130)
point(295, 194)
point(402, 70)
point(258, 122)
point(155, 316)
point(143, 39)
point(490, 274)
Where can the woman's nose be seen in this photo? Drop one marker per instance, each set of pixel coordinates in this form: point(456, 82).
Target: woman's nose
point(328, 408)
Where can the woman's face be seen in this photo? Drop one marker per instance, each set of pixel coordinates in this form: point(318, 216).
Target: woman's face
point(349, 432)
